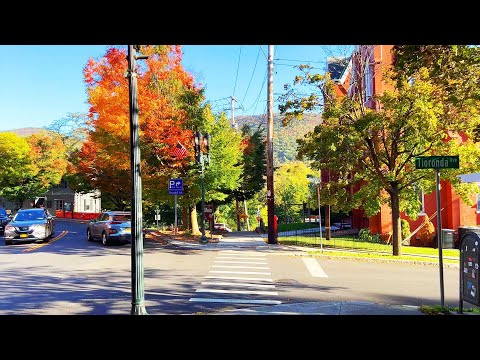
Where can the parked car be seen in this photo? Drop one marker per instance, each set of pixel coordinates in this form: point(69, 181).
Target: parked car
point(111, 227)
point(4, 219)
point(29, 225)
point(221, 227)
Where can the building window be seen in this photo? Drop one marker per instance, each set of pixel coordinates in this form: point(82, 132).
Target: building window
point(58, 204)
point(368, 80)
point(86, 206)
point(49, 204)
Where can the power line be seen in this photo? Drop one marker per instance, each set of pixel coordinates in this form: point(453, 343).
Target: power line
point(256, 100)
point(238, 67)
point(266, 58)
point(303, 61)
point(248, 87)
point(316, 68)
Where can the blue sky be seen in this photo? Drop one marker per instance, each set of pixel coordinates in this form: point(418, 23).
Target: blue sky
point(44, 83)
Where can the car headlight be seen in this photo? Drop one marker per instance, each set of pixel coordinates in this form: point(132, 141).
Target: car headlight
point(38, 227)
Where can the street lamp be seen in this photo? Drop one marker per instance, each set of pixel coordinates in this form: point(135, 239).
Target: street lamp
point(318, 183)
point(202, 156)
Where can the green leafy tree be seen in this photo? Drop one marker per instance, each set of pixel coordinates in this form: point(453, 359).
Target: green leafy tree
point(291, 190)
point(41, 162)
point(15, 167)
point(252, 179)
point(377, 148)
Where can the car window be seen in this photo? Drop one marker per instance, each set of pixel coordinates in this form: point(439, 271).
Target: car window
point(103, 217)
point(121, 217)
point(29, 215)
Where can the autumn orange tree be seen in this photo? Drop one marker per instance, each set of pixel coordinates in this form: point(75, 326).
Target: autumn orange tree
point(103, 162)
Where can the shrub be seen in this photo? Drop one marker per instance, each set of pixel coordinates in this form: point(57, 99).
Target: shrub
point(364, 235)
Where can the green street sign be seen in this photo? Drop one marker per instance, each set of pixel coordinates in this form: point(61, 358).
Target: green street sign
point(437, 162)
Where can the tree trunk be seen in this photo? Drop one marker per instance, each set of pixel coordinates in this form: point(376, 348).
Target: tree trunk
point(237, 211)
point(246, 213)
point(194, 222)
point(327, 223)
point(185, 222)
point(396, 224)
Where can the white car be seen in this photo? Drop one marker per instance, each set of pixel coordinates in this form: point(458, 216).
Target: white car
point(221, 227)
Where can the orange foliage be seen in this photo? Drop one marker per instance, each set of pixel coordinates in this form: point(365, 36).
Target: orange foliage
point(105, 157)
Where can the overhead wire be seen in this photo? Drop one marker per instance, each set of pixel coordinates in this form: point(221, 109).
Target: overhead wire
point(238, 67)
point(251, 78)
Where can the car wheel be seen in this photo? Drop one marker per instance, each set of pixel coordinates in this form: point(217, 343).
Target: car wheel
point(8, 242)
point(89, 235)
point(105, 239)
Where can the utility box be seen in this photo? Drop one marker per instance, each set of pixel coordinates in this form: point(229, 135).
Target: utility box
point(462, 230)
point(447, 238)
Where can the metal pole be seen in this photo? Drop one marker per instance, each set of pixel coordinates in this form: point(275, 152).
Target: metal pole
point(233, 112)
point(138, 297)
point(270, 191)
point(439, 235)
point(319, 213)
point(175, 228)
point(328, 231)
point(203, 238)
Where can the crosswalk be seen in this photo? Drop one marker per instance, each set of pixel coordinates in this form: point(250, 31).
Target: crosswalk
point(238, 277)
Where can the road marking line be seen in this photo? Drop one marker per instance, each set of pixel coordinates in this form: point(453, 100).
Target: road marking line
point(241, 262)
point(38, 246)
point(224, 283)
point(238, 258)
point(242, 301)
point(240, 272)
point(241, 253)
point(250, 292)
point(237, 278)
point(314, 267)
point(240, 267)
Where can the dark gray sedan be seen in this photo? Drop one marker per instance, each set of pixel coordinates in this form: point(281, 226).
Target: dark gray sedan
point(29, 225)
point(110, 227)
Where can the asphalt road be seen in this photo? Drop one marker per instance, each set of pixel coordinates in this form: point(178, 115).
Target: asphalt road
point(70, 275)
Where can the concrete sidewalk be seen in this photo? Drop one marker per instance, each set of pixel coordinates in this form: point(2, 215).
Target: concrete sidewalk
point(329, 308)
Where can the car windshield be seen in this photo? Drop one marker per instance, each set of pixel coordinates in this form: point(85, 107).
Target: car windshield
point(29, 215)
point(121, 217)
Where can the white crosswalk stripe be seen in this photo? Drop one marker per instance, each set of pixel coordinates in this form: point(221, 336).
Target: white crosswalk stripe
point(238, 272)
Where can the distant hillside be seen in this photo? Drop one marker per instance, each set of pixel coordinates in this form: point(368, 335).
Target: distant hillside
point(23, 132)
point(284, 138)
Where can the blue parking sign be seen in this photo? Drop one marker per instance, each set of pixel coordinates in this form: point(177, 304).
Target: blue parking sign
point(175, 186)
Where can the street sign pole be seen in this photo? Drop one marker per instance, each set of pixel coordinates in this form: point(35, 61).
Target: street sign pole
point(437, 163)
point(439, 236)
point(175, 228)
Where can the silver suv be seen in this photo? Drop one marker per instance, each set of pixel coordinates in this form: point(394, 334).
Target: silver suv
point(110, 227)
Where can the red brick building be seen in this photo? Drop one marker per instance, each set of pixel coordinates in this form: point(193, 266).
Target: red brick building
point(345, 71)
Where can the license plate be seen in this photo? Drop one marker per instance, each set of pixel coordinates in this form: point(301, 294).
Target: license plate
point(23, 235)
point(128, 230)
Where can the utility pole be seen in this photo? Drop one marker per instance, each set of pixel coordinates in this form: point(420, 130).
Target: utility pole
point(270, 193)
point(328, 230)
point(232, 105)
point(138, 295)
